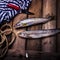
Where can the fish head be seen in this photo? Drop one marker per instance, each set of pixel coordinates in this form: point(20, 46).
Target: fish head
point(18, 25)
point(24, 35)
point(21, 25)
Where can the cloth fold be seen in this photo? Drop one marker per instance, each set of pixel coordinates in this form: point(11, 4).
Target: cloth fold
point(8, 8)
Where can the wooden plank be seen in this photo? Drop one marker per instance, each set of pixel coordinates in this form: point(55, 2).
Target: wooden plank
point(18, 47)
point(58, 25)
point(36, 7)
point(49, 7)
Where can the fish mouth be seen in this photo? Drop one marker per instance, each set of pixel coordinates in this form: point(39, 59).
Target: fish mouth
point(22, 35)
point(17, 26)
point(22, 25)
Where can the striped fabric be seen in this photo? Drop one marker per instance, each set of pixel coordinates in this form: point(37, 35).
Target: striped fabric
point(7, 13)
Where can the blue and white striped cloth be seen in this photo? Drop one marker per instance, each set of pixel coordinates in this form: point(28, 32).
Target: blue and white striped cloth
point(7, 13)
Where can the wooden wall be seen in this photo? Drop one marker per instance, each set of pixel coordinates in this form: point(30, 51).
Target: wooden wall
point(58, 25)
point(49, 7)
point(40, 8)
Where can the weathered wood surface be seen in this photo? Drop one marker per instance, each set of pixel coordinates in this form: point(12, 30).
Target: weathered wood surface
point(19, 44)
point(58, 25)
point(33, 46)
point(49, 7)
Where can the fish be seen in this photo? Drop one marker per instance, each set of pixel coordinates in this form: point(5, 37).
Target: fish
point(31, 21)
point(39, 33)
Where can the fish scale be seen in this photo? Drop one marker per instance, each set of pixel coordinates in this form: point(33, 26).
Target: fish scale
point(39, 33)
point(31, 21)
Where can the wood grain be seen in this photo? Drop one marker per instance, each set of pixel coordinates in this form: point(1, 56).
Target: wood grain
point(49, 7)
point(39, 8)
point(18, 47)
point(34, 45)
point(58, 25)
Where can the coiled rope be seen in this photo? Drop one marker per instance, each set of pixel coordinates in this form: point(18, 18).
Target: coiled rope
point(4, 42)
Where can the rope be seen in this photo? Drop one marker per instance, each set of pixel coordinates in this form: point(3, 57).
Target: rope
point(5, 49)
point(5, 31)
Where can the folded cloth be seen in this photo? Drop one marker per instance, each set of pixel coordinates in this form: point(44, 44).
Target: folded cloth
point(10, 8)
